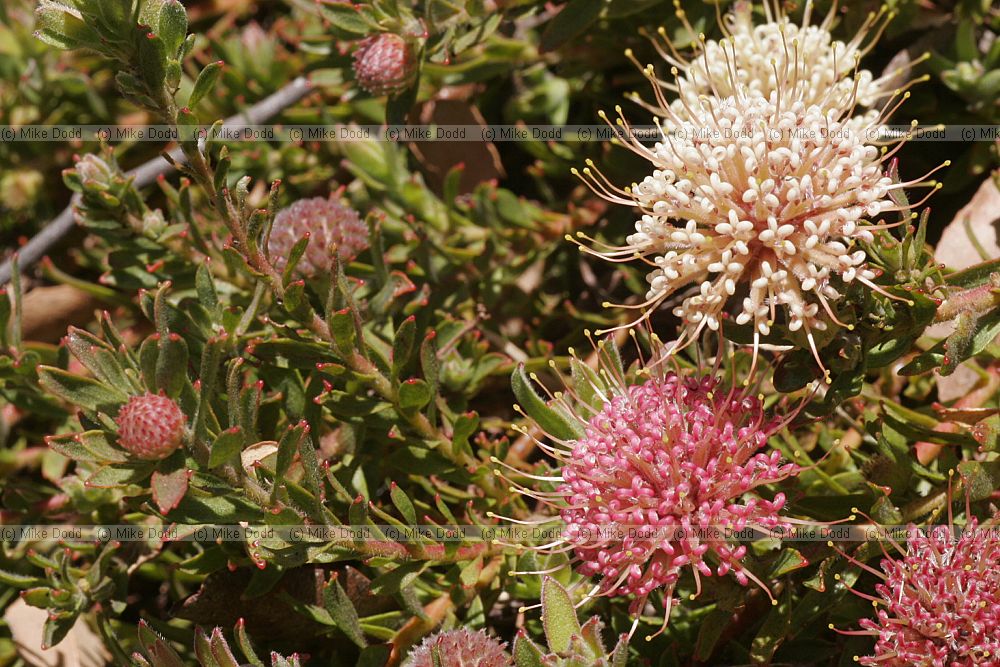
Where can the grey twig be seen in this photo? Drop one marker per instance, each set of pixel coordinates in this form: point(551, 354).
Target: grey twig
point(147, 174)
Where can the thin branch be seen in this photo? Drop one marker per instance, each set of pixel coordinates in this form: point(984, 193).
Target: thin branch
point(146, 174)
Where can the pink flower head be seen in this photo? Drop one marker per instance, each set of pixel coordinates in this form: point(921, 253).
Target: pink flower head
point(460, 648)
point(385, 64)
point(661, 474)
point(327, 222)
point(939, 605)
point(151, 427)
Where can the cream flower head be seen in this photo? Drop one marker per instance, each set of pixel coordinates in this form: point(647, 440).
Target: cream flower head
point(754, 210)
point(778, 55)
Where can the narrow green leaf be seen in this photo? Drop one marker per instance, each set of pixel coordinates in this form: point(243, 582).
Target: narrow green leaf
point(402, 345)
point(171, 365)
point(558, 616)
point(342, 611)
point(113, 477)
point(526, 652)
point(87, 446)
point(551, 421)
point(81, 391)
point(245, 645)
point(348, 20)
point(205, 286)
point(205, 83)
point(203, 649)
point(227, 446)
point(294, 256)
point(15, 580)
point(57, 626)
point(221, 652)
point(431, 367)
point(149, 350)
point(403, 503)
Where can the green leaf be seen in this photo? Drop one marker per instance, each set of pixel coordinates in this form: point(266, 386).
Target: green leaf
point(203, 649)
point(245, 645)
point(979, 480)
point(342, 328)
point(287, 448)
point(171, 365)
point(60, 28)
point(558, 616)
point(148, 352)
point(57, 626)
point(90, 446)
point(15, 580)
point(227, 446)
point(169, 488)
point(414, 394)
point(431, 367)
point(294, 256)
point(6, 310)
point(619, 657)
point(173, 26)
point(575, 17)
point(152, 61)
point(205, 286)
point(775, 629)
point(554, 422)
point(112, 477)
point(403, 503)
point(587, 384)
point(975, 275)
point(348, 20)
point(788, 560)
point(158, 650)
point(85, 347)
point(342, 611)
point(465, 425)
point(205, 83)
point(394, 581)
point(526, 652)
point(964, 345)
point(402, 345)
point(80, 391)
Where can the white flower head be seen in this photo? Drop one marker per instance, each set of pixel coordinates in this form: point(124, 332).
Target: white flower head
point(800, 59)
point(754, 210)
